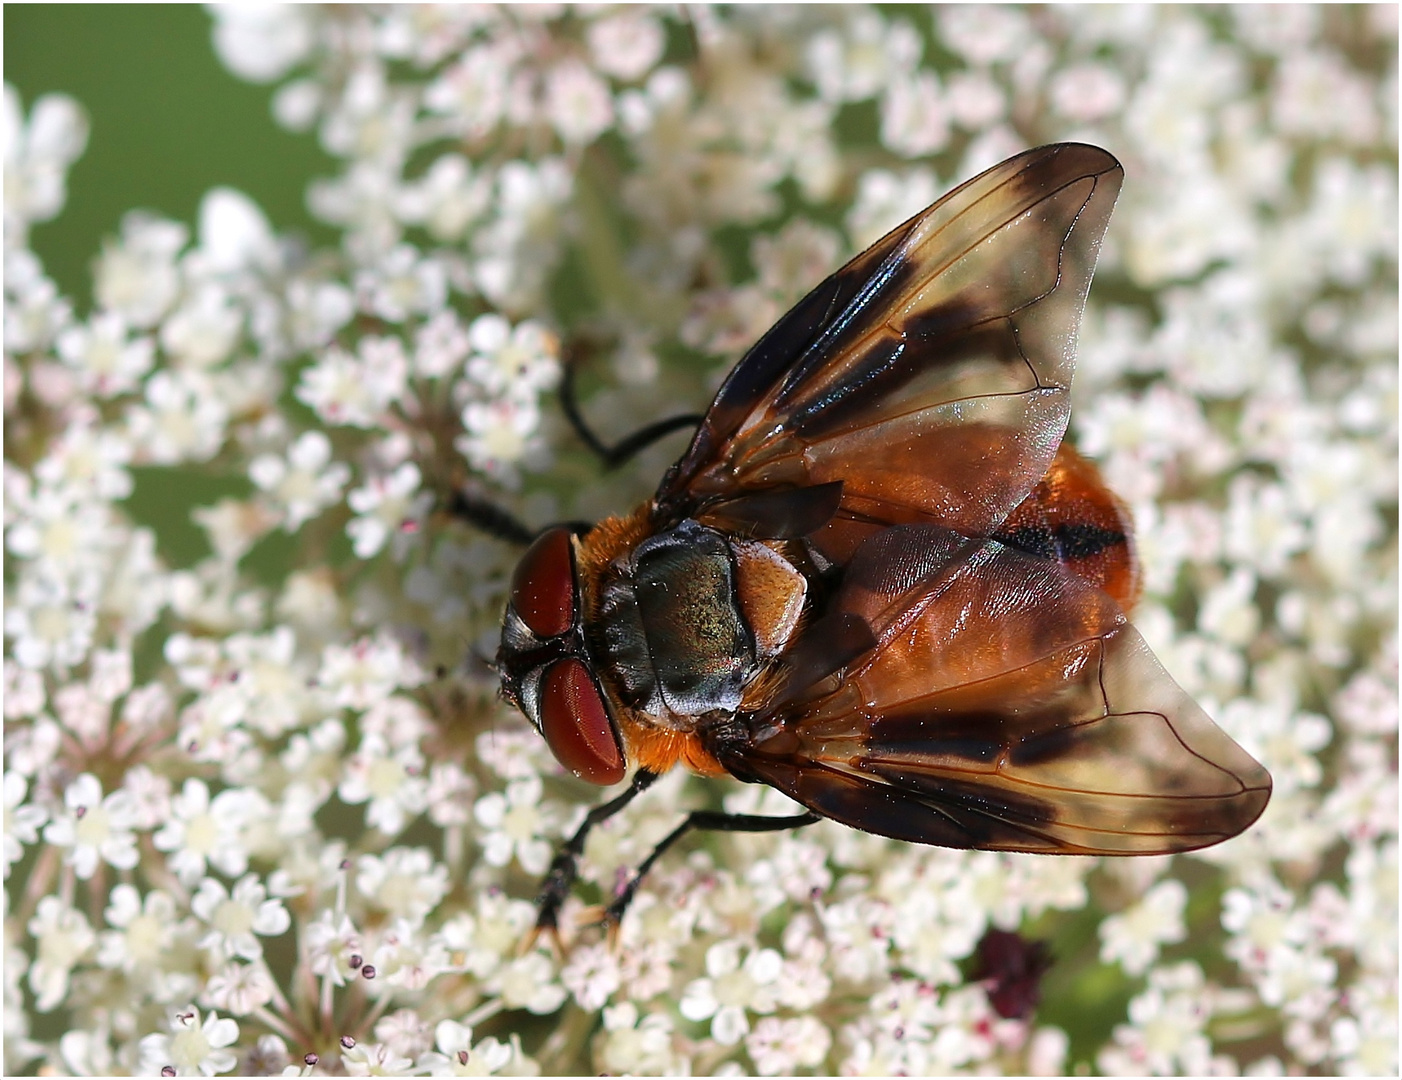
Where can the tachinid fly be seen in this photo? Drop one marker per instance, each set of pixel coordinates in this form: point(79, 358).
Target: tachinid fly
point(878, 580)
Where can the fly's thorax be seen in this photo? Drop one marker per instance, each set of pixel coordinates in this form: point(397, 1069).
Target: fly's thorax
point(688, 617)
point(669, 629)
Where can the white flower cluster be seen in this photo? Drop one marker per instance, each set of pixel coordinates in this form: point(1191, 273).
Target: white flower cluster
point(247, 830)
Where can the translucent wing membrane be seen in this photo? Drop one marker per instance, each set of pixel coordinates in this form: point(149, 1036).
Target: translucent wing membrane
point(1007, 705)
point(949, 343)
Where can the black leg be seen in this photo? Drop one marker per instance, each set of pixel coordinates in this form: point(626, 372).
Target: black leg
point(702, 819)
point(491, 519)
point(565, 868)
point(495, 521)
point(614, 456)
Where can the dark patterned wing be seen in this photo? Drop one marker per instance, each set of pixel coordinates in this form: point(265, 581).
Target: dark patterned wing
point(929, 375)
point(1006, 705)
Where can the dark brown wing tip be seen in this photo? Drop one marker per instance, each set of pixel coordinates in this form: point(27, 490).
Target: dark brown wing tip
point(1057, 165)
point(1080, 158)
point(1246, 808)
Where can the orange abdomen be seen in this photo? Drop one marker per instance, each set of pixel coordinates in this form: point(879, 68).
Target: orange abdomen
point(1073, 517)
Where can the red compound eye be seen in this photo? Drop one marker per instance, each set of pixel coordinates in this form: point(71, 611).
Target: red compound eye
point(542, 588)
point(576, 726)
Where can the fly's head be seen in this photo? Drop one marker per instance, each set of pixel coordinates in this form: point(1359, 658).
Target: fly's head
point(545, 670)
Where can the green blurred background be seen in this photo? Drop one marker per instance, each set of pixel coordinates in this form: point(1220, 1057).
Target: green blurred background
point(168, 123)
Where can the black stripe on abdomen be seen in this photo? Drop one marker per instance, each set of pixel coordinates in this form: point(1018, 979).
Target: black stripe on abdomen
point(1065, 543)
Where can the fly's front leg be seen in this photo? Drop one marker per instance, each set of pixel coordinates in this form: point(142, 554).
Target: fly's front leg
point(565, 868)
point(501, 523)
point(621, 452)
point(492, 519)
